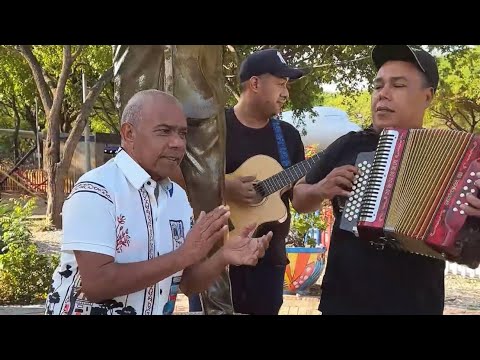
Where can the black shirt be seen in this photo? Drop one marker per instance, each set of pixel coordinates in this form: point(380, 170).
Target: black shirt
point(242, 143)
point(359, 278)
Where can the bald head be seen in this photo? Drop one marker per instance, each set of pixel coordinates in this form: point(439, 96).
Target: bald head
point(153, 130)
point(143, 100)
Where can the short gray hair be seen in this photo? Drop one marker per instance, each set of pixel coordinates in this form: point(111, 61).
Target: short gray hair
point(133, 112)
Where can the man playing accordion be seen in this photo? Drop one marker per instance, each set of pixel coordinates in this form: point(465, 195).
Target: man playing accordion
point(362, 278)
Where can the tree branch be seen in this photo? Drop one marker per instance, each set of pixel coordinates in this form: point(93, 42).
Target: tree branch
point(233, 92)
point(43, 89)
point(316, 66)
point(474, 121)
point(30, 118)
point(78, 52)
point(465, 117)
point(110, 99)
point(448, 118)
point(81, 120)
point(4, 109)
point(107, 119)
point(62, 82)
point(49, 79)
point(105, 107)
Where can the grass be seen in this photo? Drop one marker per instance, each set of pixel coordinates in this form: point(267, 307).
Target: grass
point(458, 283)
point(462, 292)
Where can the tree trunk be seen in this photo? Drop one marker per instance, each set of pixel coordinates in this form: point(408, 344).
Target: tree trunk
point(30, 117)
point(16, 143)
point(55, 194)
point(51, 162)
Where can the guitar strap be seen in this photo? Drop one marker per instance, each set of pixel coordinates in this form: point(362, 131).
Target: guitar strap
point(282, 147)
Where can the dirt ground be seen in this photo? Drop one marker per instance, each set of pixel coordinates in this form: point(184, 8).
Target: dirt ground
point(462, 294)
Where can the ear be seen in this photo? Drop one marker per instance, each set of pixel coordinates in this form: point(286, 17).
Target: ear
point(127, 131)
point(254, 83)
point(429, 97)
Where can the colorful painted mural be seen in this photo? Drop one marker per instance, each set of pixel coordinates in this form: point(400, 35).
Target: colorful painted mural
point(305, 268)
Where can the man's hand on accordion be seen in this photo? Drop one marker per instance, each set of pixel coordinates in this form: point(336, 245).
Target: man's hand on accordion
point(473, 207)
point(470, 235)
point(338, 182)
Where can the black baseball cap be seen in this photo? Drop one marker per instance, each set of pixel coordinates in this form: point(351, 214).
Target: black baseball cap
point(268, 61)
point(426, 62)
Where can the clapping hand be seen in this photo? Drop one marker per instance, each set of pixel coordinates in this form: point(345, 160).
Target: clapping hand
point(244, 249)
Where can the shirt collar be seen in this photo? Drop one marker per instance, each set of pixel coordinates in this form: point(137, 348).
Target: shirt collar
point(135, 174)
point(370, 131)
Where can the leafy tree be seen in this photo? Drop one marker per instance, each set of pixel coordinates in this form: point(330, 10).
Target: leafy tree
point(357, 106)
point(16, 100)
point(347, 65)
point(457, 103)
point(57, 74)
point(52, 67)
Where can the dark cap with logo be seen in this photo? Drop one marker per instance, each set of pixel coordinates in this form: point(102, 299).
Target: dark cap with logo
point(426, 62)
point(268, 61)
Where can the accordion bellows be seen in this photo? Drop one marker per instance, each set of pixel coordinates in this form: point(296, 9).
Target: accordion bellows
point(409, 193)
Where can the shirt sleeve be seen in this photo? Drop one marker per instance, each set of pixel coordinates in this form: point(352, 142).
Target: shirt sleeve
point(89, 221)
point(328, 160)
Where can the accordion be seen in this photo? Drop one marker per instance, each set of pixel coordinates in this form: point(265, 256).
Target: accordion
point(408, 193)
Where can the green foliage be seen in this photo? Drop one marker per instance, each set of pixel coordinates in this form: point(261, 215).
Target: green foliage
point(16, 103)
point(357, 106)
point(16, 80)
point(457, 102)
point(25, 273)
point(95, 60)
point(300, 226)
point(349, 66)
point(14, 222)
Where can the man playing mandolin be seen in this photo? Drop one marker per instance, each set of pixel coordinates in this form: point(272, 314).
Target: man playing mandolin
point(253, 130)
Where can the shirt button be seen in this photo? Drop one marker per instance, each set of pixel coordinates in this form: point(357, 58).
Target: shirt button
point(149, 183)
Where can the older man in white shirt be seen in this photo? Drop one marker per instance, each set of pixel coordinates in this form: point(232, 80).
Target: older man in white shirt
point(129, 242)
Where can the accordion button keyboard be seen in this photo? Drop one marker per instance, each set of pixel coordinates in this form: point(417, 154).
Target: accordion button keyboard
point(351, 211)
point(470, 188)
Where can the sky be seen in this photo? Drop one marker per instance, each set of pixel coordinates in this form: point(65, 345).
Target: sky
point(329, 87)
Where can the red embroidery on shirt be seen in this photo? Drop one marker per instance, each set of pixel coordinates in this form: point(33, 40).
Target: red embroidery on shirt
point(123, 239)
